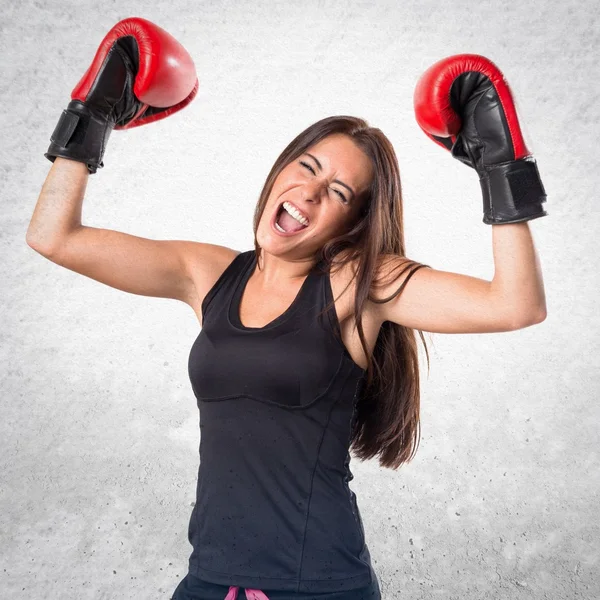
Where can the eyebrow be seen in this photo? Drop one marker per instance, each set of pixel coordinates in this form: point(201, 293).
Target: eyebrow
point(335, 180)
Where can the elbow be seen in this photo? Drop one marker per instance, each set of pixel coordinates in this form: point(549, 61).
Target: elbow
point(30, 239)
point(31, 243)
point(523, 321)
point(539, 315)
point(37, 247)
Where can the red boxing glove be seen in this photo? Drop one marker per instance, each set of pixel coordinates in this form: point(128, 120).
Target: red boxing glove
point(464, 104)
point(140, 74)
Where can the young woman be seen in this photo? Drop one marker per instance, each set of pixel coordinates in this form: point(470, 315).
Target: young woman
point(307, 345)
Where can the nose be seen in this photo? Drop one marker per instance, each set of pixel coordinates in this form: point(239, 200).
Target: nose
point(313, 190)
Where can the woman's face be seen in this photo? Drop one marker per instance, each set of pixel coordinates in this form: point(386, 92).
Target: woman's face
point(326, 184)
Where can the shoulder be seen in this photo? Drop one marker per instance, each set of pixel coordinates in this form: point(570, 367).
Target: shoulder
point(205, 260)
point(344, 275)
point(390, 269)
point(204, 265)
point(393, 270)
point(394, 300)
point(390, 275)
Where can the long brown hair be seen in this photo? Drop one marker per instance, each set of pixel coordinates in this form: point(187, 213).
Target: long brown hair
point(387, 412)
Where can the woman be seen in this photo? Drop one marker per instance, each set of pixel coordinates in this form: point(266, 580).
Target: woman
point(307, 348)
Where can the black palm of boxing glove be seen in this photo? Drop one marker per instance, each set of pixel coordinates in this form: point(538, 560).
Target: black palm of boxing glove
point(140, 74)
point(464, 104)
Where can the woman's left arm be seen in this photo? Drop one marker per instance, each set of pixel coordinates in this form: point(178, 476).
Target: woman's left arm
point(445, 302)
point(517, 284)
point(464, 104)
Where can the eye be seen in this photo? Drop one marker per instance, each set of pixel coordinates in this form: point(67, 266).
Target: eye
point(308, 167)
point(341, 196)
point(313, 172)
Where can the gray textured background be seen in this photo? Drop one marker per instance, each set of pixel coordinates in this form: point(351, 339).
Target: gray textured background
point(99, 432)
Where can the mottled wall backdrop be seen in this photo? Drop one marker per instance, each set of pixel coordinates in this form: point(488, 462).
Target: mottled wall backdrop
point(99, 426)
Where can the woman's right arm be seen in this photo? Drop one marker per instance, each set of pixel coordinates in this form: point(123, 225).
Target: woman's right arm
point(177, 269)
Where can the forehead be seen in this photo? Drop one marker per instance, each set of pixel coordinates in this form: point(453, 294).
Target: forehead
point(340, 153)
point(337, 145)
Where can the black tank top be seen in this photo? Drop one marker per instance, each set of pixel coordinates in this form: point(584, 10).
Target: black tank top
point(273, 506)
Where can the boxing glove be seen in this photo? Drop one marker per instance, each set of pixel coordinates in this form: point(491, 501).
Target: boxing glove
point(140, 74)
point(464, 104)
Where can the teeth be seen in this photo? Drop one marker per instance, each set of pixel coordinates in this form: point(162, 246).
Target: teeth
point(292, 211)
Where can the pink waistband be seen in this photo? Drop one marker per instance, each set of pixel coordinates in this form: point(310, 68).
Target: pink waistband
point(250, 594)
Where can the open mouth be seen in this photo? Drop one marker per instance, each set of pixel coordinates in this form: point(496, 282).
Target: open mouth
point(285, 223)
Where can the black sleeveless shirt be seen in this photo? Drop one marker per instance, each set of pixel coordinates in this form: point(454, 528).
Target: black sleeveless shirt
point(273, 506)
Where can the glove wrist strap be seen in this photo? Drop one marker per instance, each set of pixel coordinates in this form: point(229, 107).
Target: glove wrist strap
point(512, 192)
point(80, 135)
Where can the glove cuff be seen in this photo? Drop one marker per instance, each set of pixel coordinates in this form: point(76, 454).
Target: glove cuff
point(80, 135)
point(512, 192)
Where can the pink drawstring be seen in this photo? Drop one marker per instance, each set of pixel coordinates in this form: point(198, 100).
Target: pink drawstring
point(250, 594)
